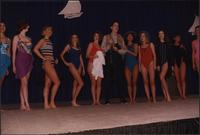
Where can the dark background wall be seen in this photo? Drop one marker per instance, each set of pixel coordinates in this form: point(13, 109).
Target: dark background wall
point(174, 16)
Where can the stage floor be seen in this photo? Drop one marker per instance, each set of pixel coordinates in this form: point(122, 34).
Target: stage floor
point(67, 119)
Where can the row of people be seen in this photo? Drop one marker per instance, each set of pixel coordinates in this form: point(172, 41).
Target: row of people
point(121, 54)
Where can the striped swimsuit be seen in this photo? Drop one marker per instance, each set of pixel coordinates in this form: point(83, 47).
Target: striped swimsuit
point(47, 51)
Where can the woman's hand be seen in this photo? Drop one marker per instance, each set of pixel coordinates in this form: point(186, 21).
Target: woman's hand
point(140, 68)
point(14, 69)
point(56, 61)
point(83, 72)
point(7, 72)
point(69, 65)
point(158, 68)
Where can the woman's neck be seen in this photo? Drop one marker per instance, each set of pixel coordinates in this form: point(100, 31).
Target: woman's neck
point(162, 40)
point(2, 35)
point(74, 45)
point(114, 33)
point(22, 34)
point(46, 37)
point(130, 42)
point(177, 43)
point(96, 42)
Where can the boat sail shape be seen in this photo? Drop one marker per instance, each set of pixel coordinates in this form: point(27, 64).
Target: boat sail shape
point(71, 10)
point(195, 23)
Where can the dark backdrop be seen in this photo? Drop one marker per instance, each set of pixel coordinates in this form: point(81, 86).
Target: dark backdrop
point(174, 16)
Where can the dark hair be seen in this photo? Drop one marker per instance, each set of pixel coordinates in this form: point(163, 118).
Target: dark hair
point(147, 36)
point(70, 41)
point(100, 36)
point(21, 26)
point(2, 22)
point(166, 38)
point(45, 28)
point(133, 33)
point(175, 35)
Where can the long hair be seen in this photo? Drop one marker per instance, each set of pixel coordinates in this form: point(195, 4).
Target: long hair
point(21, 26)
point(133, 33)
point(177, 34)
point(146, 35)
point(166, 38)
point(100, 37)
point(70, 41)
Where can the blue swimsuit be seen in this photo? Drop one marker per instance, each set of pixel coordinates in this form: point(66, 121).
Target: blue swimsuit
point(74, 57)
point(4, 59)
point(130, 60)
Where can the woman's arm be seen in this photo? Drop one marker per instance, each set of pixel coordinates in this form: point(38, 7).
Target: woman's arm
point(193, 56)
point(88, 51)
point(14, 50)
point(9, 48)
point(66, 49)
point(82, 64)
point(139, 58)
point(135, 53)
point(154, 54)
point(37, 49)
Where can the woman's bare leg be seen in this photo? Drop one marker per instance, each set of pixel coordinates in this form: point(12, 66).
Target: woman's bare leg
point(98, 90)
point(77, 76)
point(152, 81)
point(24, 91)
point(93, 84)
point(183, 75)
point(128, 80)
point(1, 82)
point(75, 84)
point(178, 80)
point(146, 81)
point(51, 73)
point(164, 84)
point(135, 77)
point(46, 92)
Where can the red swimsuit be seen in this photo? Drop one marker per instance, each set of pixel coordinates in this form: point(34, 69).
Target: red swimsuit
point(146, 56)
point(93, 52)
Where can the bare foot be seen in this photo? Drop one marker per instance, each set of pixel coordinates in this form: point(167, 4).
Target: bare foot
point(75, 104)
point(22, 108)
point(184, 97)
point(98, 103)
point(28, 109)
point(52, 105)
point(47, 107)
point(154, 101)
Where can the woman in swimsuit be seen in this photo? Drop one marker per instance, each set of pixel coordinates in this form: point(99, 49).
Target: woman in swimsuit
point(195, 51)
point(162, 51)
point(91, 54)
point(4, 53)
point(131, 65)
point(44, 50)
point(22, 62)
point(179, 64)
point(147, 64)
point(75, 64)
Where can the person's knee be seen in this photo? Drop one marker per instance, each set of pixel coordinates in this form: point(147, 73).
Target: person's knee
point(47, 85)
point(146, 82)
point(57, 82)
point(152, 82)
point(24, 83)
point(81, 83)
point(162, 77)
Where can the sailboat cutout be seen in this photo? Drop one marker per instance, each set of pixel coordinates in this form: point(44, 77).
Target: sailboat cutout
point(195, 23)
point(72, 9)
